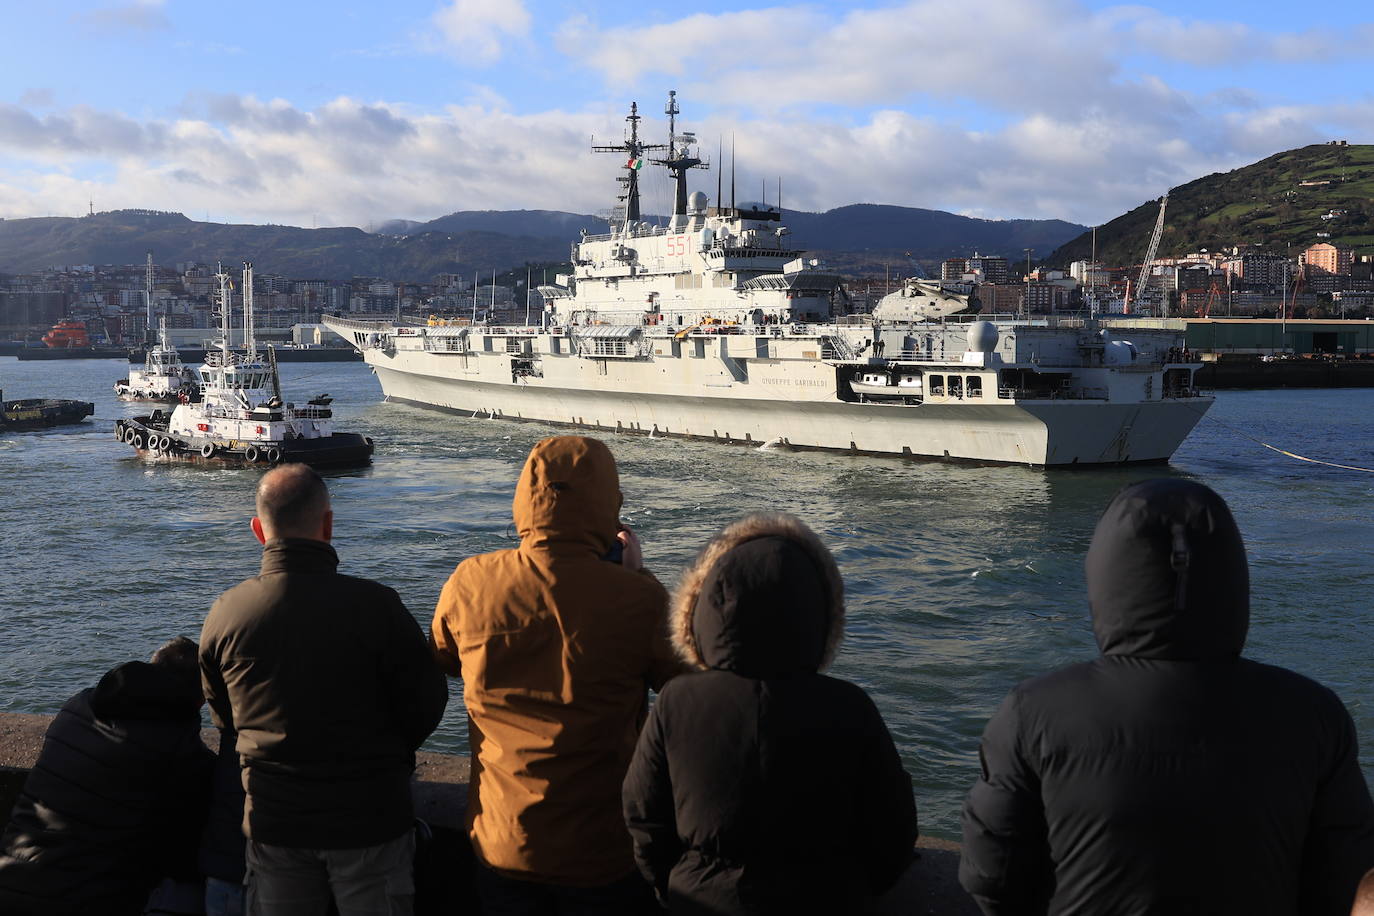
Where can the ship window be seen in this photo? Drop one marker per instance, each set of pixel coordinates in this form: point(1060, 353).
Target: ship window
point(512, 344)
point(956, 386)
point(937, 384)
point(975, 386)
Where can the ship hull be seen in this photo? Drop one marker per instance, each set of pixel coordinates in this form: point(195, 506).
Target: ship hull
point(149, 438)
point(1031, 433)
point(42, 413)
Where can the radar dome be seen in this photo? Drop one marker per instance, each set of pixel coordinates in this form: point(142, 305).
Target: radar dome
point(982, 337)
point(696, 202)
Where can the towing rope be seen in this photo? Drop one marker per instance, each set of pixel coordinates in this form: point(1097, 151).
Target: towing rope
point(1285, 452)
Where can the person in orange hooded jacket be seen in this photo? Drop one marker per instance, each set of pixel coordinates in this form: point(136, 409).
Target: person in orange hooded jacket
point(558, 644)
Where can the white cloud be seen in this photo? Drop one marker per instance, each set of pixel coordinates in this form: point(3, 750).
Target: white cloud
point(476, 31)
point(139, 16)
point(350, 162)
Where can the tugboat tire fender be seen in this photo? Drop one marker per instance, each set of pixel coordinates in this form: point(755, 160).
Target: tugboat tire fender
point(130, 433)
point(164, 443)
point(251, 453)
point(207, 451)
point(136, 441)
point(274, 455)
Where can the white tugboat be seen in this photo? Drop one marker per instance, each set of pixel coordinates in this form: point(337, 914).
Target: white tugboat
point(239, 417)
point(716, 327)
point(164, 377)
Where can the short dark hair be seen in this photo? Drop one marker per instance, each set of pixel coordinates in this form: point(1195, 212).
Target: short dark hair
point(180, 655)
point(292, 498)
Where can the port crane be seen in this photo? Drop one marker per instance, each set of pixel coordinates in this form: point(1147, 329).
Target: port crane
point(1149, 257)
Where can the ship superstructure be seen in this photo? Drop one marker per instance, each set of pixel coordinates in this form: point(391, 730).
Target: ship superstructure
point(239, 417)
point(717, 326)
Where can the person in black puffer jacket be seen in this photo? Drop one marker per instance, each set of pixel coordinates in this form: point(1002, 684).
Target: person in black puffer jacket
point(117, 798)
point(1170, 775)
point(759, 785)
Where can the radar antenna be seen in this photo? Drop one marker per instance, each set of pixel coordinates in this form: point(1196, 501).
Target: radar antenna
point(681, 156)
point(633, 151)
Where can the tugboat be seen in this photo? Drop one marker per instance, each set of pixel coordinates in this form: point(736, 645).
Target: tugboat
point(239, 418)
point(163, 377)
point(41, 413)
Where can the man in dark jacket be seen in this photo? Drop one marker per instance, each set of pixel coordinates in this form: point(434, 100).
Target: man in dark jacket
point(1170, 775)
point(117, 797)
point(330, 687)
point(760, 786)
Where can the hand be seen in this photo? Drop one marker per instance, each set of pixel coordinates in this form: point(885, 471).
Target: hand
point(633, 558)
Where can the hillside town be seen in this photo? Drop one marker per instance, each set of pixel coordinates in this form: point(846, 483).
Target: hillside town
point(1322, 281)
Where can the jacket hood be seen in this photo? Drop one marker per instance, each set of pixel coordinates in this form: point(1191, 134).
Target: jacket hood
point(568, 496)
point(139, 690)
point(763, 599)
point(1167, 574)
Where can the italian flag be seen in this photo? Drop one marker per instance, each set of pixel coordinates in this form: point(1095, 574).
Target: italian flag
point(635, 163)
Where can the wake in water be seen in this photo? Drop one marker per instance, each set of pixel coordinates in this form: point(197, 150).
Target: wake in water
point(773, 445)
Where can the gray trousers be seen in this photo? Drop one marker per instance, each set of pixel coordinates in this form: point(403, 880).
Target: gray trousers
point(371, 881)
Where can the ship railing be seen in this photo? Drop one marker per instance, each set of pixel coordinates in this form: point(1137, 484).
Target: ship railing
point(312, 413)
point(1054, 394)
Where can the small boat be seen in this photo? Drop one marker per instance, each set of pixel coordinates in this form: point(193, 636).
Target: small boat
point(881, 385)
point(163, 377)
point(41, 413)
point(238, 418)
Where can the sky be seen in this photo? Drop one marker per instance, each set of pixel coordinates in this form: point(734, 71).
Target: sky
point(349, 113)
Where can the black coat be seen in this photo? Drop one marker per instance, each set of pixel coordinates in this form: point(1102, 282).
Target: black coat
point(1170, 775)
point(760, 786)
point(331, 687)
point(115, 801)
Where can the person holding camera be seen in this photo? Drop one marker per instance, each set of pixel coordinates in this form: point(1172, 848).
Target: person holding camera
point(558, 642)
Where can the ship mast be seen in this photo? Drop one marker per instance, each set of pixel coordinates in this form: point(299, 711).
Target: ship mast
point(250, 343)
point(680, 158)
point(633, 151)
point(148, 300)
point(225, 302)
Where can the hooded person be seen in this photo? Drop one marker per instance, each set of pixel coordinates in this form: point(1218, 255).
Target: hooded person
point(558, 643)
point(1169, 775)
point(760, 785)
point(115, 802)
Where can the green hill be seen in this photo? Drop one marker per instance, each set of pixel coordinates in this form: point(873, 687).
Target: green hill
point(1265, 206)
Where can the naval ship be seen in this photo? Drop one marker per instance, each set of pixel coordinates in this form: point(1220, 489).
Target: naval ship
point(716, 326)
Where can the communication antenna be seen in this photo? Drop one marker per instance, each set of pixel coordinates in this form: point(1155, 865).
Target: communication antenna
point(720, 153)
point(732, 170)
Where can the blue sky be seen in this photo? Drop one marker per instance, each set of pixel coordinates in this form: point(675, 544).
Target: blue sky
point(351, 113)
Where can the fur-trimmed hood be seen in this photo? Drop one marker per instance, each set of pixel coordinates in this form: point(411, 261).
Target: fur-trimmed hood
point(764, 598)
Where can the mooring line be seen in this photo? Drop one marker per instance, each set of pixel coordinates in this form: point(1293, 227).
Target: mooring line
point(1285, 452)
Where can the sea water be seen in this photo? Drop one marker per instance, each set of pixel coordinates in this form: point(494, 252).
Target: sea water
point(961, 581)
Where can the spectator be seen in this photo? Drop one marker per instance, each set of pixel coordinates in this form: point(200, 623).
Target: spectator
point(715, 796)
point(1364, 897)
point(117, 797)
point(222, 844)
point(330, 687)
point(557, 646)
point(1170, 775)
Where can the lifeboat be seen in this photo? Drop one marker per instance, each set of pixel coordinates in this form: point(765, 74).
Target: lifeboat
point(67, 334)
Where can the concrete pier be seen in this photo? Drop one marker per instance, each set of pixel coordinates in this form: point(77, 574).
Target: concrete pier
point(930, 886)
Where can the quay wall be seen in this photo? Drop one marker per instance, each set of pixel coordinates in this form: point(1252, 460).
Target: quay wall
point(930, 886)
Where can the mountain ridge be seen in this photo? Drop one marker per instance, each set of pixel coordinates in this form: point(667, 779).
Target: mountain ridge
point(475, 241)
